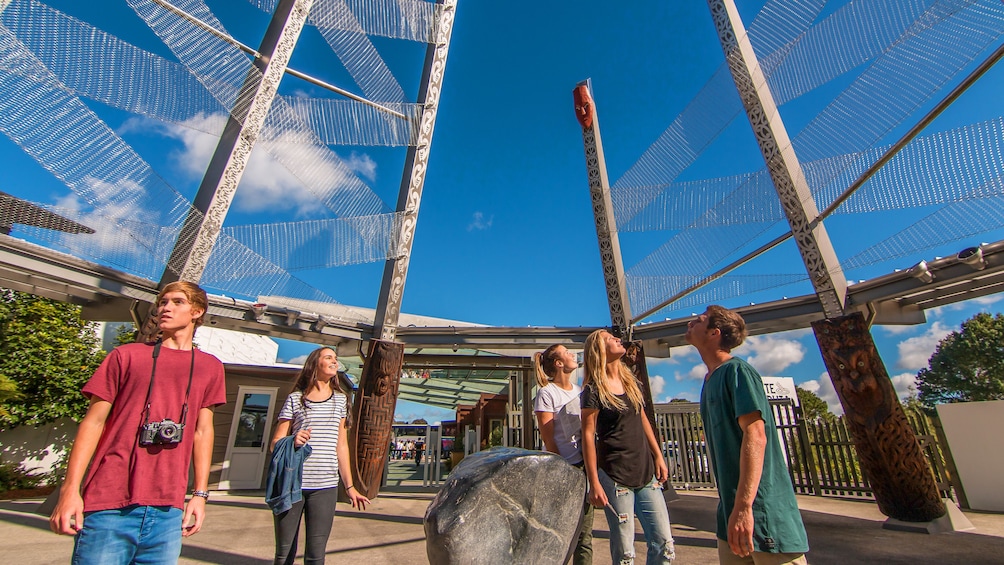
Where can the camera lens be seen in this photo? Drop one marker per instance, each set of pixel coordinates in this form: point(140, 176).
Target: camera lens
point(168, 431)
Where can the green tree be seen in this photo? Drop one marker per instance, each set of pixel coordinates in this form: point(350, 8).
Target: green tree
point(967, 365)
point(126, 333)
point(49, 352)
point(813, 407)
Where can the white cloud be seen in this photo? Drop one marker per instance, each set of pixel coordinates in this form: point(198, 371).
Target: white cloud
point(915, 352)
point(897, 330)
point(771, 354)
point(988, 300)
point(267, 183)
point(681, 354)
point(478, 222)
point(905, 385)
point(362, 164)
point(823, 388)
point(658, 384)
point(697, 373)
point(298, 360)
point(115, 211)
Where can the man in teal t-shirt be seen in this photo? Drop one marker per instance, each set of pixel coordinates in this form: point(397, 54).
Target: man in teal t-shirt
point(758, 519)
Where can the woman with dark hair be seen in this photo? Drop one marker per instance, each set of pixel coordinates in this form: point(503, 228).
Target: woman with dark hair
point(314, 414)
point(557, 408)
point(623, 460)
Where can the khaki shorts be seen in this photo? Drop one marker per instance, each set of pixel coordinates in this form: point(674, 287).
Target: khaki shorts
point(726, 557)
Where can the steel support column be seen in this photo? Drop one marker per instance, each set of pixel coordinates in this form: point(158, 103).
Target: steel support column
point(603, 210)
point(416, 163)
point(219, 185)
point(789, 180)
point(887, 447)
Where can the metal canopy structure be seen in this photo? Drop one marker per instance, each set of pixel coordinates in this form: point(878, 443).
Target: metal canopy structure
point(896, 298)
point(15, 210)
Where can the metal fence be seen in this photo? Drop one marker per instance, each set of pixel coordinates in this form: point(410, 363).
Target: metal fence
point(821, 457)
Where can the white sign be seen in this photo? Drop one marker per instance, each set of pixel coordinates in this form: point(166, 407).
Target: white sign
point(780, 388)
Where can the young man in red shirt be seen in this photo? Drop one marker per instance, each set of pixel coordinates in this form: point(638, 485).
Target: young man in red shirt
point(151, 415)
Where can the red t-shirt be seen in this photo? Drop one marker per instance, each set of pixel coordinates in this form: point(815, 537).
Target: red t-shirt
point(122, 472)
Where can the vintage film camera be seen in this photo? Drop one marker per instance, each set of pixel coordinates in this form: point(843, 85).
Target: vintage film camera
point(164, 432)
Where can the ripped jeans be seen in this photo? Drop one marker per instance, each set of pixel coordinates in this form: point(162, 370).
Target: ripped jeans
point(650, 506)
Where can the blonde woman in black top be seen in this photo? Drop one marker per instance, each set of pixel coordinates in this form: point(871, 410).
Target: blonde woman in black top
point(624, 464)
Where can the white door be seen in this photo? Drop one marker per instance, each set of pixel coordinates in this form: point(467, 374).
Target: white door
point(247, 447)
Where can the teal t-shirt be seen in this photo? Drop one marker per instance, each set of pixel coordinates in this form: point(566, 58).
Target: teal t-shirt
point(734, 389)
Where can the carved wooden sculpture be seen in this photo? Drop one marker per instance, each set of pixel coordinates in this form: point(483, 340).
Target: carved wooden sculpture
point(888, 450)
point(373, 415)
point(634, 357)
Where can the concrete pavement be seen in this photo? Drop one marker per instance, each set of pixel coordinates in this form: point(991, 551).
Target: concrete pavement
point(238, 530)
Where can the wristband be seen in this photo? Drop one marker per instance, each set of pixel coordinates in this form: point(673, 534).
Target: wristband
point(201, 493)
point(349, 487)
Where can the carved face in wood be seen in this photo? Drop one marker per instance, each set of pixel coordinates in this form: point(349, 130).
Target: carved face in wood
point(382, 385)
point(850, 370)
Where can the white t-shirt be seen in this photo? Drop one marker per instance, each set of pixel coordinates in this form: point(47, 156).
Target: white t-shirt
point(564, 404)
point(323, 418)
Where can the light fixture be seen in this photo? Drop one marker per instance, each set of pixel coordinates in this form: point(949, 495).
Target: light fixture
point(291, 316)
point(319, 324)
point(973, 256)
point(921, 272)
point(259, 310)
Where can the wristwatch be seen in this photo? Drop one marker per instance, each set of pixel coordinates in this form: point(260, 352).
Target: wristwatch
point(202, 493)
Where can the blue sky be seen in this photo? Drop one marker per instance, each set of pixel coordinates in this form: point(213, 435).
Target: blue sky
point(505, 234)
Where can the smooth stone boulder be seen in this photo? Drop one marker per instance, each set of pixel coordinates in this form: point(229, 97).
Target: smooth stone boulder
point(506, 505)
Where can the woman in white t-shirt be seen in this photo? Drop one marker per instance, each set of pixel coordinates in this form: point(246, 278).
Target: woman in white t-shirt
point(314, 413)
point(557, 409)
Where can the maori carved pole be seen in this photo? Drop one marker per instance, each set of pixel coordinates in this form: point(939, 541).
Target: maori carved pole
point(889, 452)
point(603, 210)
point(373, 415)
point(634, 357)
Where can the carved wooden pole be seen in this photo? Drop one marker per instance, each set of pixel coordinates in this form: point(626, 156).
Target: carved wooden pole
point(887, 447)
point(373, 408)
point(634, 357)
point(373, 415)
point(899, 474)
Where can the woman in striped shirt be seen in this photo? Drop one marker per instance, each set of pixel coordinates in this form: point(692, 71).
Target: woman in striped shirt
point(315, 413)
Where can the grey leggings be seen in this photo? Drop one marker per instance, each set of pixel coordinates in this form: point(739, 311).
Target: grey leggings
point(319, 507)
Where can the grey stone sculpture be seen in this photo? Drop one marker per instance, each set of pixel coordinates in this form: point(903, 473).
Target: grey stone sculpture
point(503, 506)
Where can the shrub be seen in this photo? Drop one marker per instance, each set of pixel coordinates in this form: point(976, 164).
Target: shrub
point(15, 477)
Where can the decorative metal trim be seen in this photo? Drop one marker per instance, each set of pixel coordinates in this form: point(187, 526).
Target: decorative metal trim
point(785, 170)
point(603, 214)
point(216, 193)
point(410, 198)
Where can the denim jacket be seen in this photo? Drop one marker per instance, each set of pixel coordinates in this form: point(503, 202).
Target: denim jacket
point(285, 475)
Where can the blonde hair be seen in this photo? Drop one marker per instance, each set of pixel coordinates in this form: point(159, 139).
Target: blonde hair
point(544, 365)
point(596, 364)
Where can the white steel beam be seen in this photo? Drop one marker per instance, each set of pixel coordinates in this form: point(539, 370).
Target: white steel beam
point(778, 153)
point(603, 210)
point(416, 163)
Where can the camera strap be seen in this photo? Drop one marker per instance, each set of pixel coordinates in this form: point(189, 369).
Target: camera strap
point(153, 374)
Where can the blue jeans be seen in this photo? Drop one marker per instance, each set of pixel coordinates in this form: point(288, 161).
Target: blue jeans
point(649, 505)
point(134, 534)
